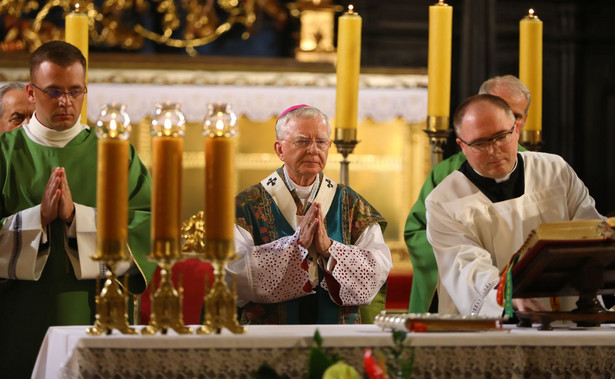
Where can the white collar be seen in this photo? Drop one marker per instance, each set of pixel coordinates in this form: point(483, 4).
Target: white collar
point(45, 136)
point(504, 178)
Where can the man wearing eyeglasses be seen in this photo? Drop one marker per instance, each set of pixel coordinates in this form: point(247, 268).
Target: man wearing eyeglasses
point(48, 182)
point(15, 109)
point(482, 213)
point(423, 296)
point(311, 251)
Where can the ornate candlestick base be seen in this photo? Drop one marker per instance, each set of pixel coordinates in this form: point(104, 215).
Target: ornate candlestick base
point(111, 308)
point(437, 131)
point(345, 141)
point(167, 305)
point(220, 302)
point(531, 140)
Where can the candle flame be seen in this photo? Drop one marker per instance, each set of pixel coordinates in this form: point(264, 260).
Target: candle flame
point(220, 125)
point(167, 123)
point(77, 7)
point(531, 13)
point(350, 9)
point(113, 132)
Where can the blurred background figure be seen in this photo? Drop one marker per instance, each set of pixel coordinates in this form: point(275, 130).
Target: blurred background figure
point(15, 109)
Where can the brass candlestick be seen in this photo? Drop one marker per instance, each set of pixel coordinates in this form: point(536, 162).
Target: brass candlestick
point(167, 129)
point(345, 141)
point(437, 132)
point(532, 140)
point(112, 130)
point(220, 303)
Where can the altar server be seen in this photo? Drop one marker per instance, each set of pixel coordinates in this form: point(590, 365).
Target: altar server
point(48, 183)
point(482, 213)
point(423, 295)
point(311, 251)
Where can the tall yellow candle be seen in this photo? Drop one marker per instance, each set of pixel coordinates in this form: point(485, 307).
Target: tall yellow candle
point(219, 188)
point(112, 198)
point(348, 67)
point(77, 34)
point(166, 195)
point(530, 66)
point(439, 60)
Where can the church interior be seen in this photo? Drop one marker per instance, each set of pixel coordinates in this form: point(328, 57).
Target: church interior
point(261, 57)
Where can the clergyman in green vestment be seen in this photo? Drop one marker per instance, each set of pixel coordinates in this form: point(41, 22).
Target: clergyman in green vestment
point(311, 251)
point(48, 182)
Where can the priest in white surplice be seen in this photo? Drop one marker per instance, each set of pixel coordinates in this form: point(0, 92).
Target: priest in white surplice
point(481, 214)
point(311, 251)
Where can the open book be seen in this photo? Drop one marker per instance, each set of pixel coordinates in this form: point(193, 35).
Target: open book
point(556, 233)
point(543, 264)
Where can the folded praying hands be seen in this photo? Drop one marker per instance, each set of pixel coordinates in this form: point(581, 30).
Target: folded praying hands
point(57, 200)
point(313, 234)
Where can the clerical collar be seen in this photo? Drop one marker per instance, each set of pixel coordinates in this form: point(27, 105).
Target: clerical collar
point(45, 136)
point(502, 179)
point(509, 187)
point(302, 191)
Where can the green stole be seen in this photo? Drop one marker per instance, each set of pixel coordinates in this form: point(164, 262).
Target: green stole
point(347, 217)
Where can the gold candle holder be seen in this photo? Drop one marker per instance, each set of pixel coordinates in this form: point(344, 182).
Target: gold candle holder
point(112, 130)
point(532, 139)
point(167, 129)
point(345, 141)
point(437, 132)
point(220, 303)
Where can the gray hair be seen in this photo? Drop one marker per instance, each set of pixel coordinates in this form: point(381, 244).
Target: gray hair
point(305, 112)
point(483, 97)
point(6, 88)
point(510, 83)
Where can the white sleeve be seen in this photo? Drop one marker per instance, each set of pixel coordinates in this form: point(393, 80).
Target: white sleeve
point(269, 273)
point(83, 230)
point(23, 246)
point(465, 269)
point(355, 273)
point(580, 204)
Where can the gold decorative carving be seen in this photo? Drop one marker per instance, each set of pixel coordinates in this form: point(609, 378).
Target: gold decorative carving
point(108, 26)
point(193, 234)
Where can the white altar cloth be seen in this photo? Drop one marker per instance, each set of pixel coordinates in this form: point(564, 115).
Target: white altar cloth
point(512, 352)
point(258, 103)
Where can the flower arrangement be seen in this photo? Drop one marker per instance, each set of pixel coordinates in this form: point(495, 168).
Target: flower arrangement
point(381, 363)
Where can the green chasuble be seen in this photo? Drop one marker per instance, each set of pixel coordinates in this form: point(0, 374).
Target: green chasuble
point(58, 298)
point(348, 217)
point(425, 269)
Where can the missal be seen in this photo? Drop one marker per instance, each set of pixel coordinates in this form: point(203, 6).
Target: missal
point(433, 322)
point(557, 258)
point(558, 233)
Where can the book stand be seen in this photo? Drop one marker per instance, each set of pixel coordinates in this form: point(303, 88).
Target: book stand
point(584, 269)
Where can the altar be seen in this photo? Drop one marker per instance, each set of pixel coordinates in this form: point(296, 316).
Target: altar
point(67, 352)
